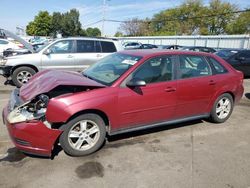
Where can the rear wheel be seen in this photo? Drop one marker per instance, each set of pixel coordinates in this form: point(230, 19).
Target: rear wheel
point(83, 135)
point(222, 108)
point(22, 75)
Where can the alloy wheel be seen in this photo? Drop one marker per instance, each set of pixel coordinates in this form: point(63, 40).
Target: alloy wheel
point(223, 108)
point(83, 135)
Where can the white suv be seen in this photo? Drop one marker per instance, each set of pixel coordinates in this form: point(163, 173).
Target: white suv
point(74, 54)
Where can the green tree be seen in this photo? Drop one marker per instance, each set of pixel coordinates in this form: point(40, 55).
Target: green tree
point(41, 26)
point(30, 28)
point(93, 32)
point(224, 15)
point(56, 23)
point(118, 34)
point(241, 25)
point(71, 26)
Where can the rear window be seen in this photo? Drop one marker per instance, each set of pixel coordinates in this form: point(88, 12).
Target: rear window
point(108, 47)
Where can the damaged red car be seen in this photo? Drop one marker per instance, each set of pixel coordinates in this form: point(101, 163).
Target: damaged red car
point(125, 91)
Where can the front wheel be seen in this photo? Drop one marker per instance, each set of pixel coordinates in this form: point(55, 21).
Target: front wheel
point(22, 75)
point(222, 108)
point(83, 135)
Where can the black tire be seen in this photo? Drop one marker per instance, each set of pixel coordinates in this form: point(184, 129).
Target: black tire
point(214, 117)
point(67, 143)
point(19, 70)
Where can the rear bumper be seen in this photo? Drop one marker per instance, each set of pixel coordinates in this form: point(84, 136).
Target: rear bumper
point(32, 137)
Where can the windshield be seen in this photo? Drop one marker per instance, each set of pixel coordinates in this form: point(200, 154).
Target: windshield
point(110, 68)
point(226, 53)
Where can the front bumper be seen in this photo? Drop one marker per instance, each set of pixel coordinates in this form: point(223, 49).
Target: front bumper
point(31, 137)
point(5, 70)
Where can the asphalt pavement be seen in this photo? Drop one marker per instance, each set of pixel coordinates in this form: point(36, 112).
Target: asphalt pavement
point(194, 154)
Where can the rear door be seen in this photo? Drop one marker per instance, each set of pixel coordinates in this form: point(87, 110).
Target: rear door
point(89, 52)
point(86, 53)
point(61, 56)
point(195, 86)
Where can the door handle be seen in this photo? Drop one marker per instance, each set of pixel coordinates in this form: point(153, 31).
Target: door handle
point(170, 89)
point(212, 82)
point(98, 55)
point(70, 56)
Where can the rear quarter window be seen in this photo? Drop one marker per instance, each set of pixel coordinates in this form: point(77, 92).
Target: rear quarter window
point(108, 47)
point(219, 69)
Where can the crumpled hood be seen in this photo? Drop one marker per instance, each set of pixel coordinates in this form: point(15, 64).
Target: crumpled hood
point(47, 80)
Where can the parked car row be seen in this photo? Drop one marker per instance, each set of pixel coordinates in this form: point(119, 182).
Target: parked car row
point(76, 54)
point(238, 58)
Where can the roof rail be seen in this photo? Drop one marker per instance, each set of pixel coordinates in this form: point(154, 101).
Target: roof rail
point(110, 38)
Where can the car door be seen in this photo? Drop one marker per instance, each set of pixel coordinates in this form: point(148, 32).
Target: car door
point(195, 86)
point(59, 55)
point(87, 53)
point(241, 61)
point(152, 103)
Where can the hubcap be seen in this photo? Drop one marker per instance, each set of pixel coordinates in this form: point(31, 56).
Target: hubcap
point(223, 108)
point(23, 77)
point(83, 135)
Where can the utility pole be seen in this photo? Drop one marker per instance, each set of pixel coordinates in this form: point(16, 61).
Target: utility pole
point(103, 16)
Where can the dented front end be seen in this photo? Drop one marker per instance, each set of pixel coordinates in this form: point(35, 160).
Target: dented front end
point(27, 122)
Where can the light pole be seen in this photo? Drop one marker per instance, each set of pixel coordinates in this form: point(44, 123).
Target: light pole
point(103, 16)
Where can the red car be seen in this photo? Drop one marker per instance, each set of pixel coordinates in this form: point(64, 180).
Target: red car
point(126, 91)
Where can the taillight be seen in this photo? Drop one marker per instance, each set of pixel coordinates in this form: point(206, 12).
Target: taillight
point(20, 45)
point(241, 75)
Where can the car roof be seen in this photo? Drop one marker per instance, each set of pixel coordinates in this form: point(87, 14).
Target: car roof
point(89, 38)
point(159, 52)
point(233, 49)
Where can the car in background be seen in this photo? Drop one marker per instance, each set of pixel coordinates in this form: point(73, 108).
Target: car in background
point(148, 46)
point(6, 44)
point(132, 45)
point(238, 58)
point(199, 49)
point(75, 54)
point(138, 45)
point(14, 52)
point(170, 47)
point(125, 91)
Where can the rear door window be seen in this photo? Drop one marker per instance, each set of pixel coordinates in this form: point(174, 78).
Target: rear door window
point(85, 46)
point(193, 66)
point(108, 47)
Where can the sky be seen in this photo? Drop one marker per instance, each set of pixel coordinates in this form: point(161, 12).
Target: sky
point(18, 13)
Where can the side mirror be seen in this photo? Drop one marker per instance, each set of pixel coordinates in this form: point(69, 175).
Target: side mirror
point(136, 83)
point(47, 52)
point(240, 58)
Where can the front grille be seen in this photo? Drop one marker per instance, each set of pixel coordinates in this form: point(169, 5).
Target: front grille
point(22, 142)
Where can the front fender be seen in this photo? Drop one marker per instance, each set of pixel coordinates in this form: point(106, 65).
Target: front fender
point(61, 109)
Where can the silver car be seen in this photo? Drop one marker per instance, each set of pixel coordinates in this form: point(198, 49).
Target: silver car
point(74, 54)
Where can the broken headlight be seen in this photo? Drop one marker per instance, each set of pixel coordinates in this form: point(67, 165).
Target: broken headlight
point(31, 110)
point(3, 61)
